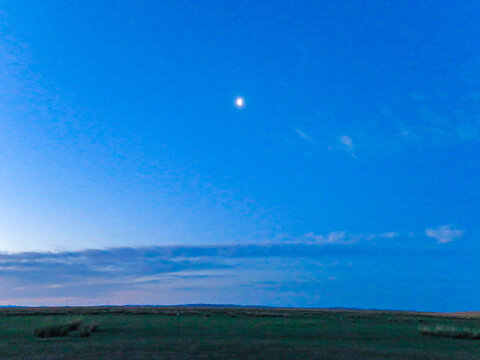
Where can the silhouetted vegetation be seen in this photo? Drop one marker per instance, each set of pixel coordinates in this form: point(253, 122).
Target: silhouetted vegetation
point(62, 329)
point(52, 331)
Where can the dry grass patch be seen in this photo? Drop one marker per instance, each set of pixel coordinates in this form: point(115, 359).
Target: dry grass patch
point(449, 331)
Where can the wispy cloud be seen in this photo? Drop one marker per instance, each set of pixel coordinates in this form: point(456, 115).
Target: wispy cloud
point(444, 234)
point(347, 141)
point(303, 135)
point(336, 237)
point(388, 235)
point(186, 274)
point(416, 120)
point(130, 267)
point(344, 238)
point(343, 143)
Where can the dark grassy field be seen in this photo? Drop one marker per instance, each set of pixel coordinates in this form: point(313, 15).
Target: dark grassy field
point(217, 333)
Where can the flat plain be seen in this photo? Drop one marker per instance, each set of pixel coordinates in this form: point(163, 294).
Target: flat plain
point(233, 333)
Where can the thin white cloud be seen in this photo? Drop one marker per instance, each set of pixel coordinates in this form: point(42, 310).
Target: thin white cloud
point(385, 235)
point(335, 237)
point(342, 237)
point(347, 141)
point(346, 144)
point(444, 234)
point(388, 235)
point(303, 135)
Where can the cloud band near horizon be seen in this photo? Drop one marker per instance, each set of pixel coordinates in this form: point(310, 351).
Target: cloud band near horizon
point(275, 273)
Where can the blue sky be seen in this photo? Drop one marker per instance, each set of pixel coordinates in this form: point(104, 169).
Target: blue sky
point(350, 177)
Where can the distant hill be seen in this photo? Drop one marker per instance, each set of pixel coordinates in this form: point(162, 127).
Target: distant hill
point(206, 306)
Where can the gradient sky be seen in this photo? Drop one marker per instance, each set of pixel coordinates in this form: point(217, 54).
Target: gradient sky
point(350, 178)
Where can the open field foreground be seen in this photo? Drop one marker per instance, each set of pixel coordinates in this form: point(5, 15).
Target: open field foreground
point(238, 333)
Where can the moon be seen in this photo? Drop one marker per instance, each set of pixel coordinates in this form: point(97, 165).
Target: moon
point(239, 102)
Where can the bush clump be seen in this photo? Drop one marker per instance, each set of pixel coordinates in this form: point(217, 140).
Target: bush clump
point(63, 329)
point(86, 329)
point(74, 325)
point(52, 331)
point(449, 331)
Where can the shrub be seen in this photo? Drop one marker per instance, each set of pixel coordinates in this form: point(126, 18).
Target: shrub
point(74, 325)
point(63, 329)
point(52, 331)
point(449, 331)
point(85, 331)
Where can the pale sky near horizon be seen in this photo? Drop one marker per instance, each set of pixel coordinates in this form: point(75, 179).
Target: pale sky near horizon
point(129, 171)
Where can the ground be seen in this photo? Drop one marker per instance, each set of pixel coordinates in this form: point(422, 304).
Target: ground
point(217, 333)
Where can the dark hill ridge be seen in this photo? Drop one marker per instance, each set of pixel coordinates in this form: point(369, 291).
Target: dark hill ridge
point(250, 310)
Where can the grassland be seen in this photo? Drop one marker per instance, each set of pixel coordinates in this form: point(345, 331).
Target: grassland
point(216, 333)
